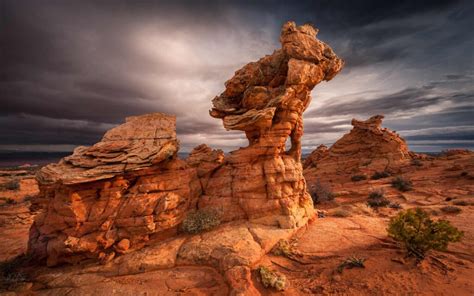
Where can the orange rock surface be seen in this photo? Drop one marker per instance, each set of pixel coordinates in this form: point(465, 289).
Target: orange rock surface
point(266, 99)
point(365, 149)
point(114, 196)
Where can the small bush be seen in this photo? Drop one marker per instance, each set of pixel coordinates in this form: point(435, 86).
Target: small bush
point(402, 184)
point(380, 175)
point(200, 220)
point(12, 185)
point(419, 234)
point(351, 262)
point(340, 213)
point(462, 203)
point(464, 174)
point(320, 193)
point(448, 199)
point(357, 178)
point(10, 273)
point(395, 205)
point(416, 162)
point(272, 279)
point(451, 210)
point(283, 248)
point(377, 199)
point(10, 201)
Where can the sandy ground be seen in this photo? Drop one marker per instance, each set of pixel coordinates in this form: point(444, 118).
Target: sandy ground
point(320, 247)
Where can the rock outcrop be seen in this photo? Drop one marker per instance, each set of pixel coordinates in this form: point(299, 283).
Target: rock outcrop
point(130, 189)
point(266, 99)
point(114, 196)
point(366, 148)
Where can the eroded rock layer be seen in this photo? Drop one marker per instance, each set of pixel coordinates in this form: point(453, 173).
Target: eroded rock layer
point(114, 196)
point(266, 99)
point(366, 148)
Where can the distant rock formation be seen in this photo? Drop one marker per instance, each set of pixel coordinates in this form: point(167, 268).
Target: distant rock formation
point(366, 148)
point(114, 196)
point(266, 99)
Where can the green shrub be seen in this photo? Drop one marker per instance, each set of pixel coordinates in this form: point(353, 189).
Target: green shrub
point(320, 193)
point(402, 184)
point(272, 279)
point(200, 220)
point(357, 178)
point(451, 210)
point(419, 234)
point(380, 175)
point(377, 199)
point(351, 262)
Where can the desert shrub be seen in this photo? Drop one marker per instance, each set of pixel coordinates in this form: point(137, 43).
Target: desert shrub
point(283, 248)
point(320, 193)
point(351, 262)
point(419, 234)
point(11, 185)
point(402, 184)
point(380, 175)
point(395, 205)
point(10, 273)
point(357, 178)
point(272, 279)
point(416, 162)
point(377, 199)
point(10, 201)
point(461, 203)
point(340, 213)
point(448, 199)
point(451, 210)
point(200, 220)
point(464, 174)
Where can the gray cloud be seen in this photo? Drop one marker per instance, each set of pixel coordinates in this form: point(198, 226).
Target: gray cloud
point(70, 70)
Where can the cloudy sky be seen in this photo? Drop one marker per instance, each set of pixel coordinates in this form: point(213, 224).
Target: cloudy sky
point(70, 70)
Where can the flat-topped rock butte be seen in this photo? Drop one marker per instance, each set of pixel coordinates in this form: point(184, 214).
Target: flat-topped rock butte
point(130, 190)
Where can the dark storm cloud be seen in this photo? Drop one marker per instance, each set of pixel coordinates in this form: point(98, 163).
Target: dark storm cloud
point(72, 69)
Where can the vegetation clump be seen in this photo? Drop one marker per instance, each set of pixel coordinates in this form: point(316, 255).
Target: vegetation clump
point(416, 162)
point(320, 193)
point(357, 178)
point(377, 199)
point(11, 185)
point(402, 184)
point(351, 262)
point(10, 273)
point(200, 220)
point(451, 210)
point(419, 234)
point(461, 203)
point(283, 248)
point(395, 205)
point(380, 175)
point(272, 279)
point(341, 213)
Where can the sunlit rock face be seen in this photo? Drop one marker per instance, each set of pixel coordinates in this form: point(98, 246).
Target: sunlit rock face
point(114, 196)
point(266, 99)
point(367, 148)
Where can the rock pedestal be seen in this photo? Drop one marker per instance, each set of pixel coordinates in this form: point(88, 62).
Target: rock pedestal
point(266, 99)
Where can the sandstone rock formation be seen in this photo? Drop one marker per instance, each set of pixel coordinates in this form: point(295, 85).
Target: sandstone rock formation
point(130, 189)
point(266, 99)
point(114, 196)
point(366, 148)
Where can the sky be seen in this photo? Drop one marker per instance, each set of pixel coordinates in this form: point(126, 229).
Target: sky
point(70, 70)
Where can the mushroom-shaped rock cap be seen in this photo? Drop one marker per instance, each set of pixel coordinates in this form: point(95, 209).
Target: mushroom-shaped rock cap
point(374, 122)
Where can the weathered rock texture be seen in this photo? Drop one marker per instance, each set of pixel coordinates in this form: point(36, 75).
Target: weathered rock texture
point(266, 99)
point(366, 148)
point(114, 196)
